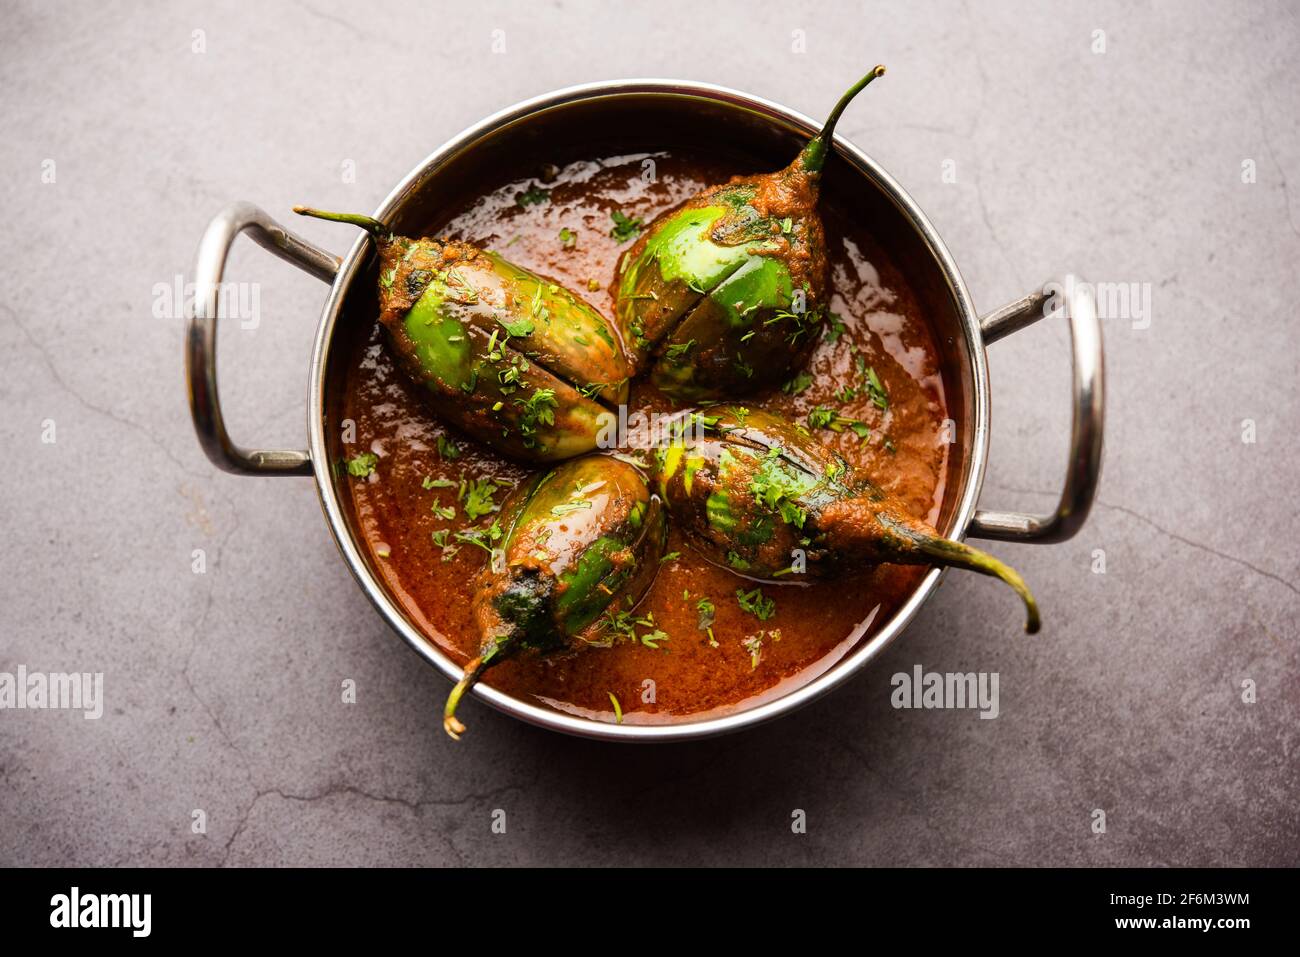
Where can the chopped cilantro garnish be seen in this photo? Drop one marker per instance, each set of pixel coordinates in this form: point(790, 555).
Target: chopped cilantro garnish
point(470, 293)
point(678, 350)
point(518, 327)
point(777, 488)
point(756, 603)
point(538, 409)
point(798, 384)
point(362, 465)
point(448, 550)
point(754, 645)
point(694, 421)
point(824, 418)
point(876, 390)
point(447, 449)
point(821, 417)
point(482, 537)
point(837, 327)
point(624, 228)
point(533, 196)
point(735, 561)
point(477, 499)
point(623, 625)
point(707, 611)
point(651, 639)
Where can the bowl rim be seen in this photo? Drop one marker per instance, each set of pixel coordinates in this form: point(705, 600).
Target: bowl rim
point(838, 672)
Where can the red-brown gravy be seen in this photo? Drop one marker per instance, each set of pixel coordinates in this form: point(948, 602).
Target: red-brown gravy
point(691, 676)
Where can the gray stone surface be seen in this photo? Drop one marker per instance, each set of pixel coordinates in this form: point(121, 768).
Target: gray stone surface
point(222, 688)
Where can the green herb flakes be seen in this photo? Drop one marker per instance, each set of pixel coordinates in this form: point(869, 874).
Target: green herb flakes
point(533, 196)
point(624, 228)
point(447, 449)
point(477, 498)
point(362, 465)
point(756, 603)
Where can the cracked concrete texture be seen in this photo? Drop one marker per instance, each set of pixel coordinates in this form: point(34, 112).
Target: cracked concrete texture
point(222, 688)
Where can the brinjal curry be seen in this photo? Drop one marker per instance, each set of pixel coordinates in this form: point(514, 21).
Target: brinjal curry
point(646, 448)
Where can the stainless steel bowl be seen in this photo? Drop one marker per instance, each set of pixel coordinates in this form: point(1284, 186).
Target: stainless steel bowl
point(660, 111)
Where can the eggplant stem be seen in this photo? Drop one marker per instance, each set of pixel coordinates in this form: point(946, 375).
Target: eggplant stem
point(473, 671)
point(371, 225)
point(813, 157)
point(960, 555)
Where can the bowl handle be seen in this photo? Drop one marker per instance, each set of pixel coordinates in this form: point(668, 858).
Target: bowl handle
point(1076, 300)
point(201, 340)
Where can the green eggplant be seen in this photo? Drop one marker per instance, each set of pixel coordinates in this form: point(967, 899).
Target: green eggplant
point(727, 293)
point(760, 495)
point(577, 545)
point(510, 357)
